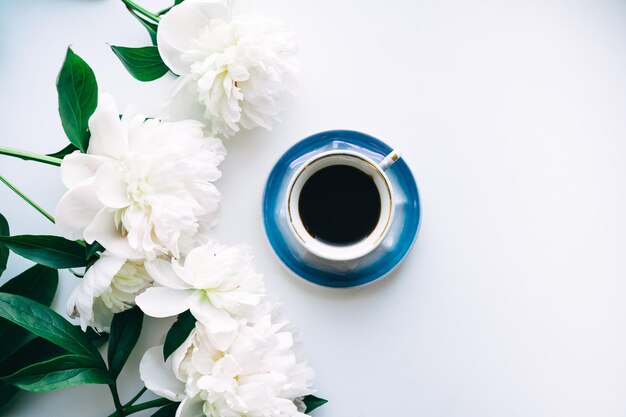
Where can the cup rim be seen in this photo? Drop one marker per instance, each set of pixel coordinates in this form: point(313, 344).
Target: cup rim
point(336, 252)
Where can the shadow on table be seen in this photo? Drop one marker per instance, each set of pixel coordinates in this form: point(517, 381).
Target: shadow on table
point(395, 278)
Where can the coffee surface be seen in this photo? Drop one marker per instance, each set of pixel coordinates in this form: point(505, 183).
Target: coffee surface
point(339, 205)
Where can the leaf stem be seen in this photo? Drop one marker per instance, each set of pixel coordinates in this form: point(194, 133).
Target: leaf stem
point(159, 402)
point(132, 5)
point(136, 397)
point(116, 398)
point(30, 156)
point(28, 200)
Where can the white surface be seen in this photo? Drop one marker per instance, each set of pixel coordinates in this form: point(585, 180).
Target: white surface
point(511, 115)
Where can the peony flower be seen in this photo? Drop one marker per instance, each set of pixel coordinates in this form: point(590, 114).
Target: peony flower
point(143, 188)
point(260, 375)
point(217, 283)
point(235, 70)
point(108, 287)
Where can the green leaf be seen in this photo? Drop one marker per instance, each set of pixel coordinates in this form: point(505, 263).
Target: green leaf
point(46, 323)
point(178, 333)
point(78, 98)
point(39, 284)
point(93, 249)
point(312, 402)
point(4, 251)
point(145, 63)
point(37, 350)
point(97, 339)
point(6, 393)
point(167, 411)
point(64, 152)
point(53, 251)
point(125, 331)
point(58, 373)
point(150, 26)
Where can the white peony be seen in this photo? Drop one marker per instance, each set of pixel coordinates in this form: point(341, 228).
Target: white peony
point(235, 70)
point(261, 374)
point(217, 283)
point(143, 189)
point(108, 287)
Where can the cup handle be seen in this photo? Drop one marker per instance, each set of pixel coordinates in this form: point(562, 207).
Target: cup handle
point(389, 160)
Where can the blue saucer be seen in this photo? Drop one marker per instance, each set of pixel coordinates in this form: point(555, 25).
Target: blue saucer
point(371, 267)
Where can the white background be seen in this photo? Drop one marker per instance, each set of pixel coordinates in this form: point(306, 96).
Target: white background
point(511, 115)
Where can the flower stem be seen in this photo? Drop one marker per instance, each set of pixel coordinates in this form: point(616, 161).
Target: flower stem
point(163, 11)
point(28, 200)
point(126, 411)
point(30, 156)
point(116, 397)
point(136, 397)
point(132, 5)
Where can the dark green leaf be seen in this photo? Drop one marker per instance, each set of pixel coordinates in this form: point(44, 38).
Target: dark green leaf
point(178, 333)
point(145, 63)
point(98, 339)
point(6, 393)
point(78, 98)
point(64, 152)
point(58, 373)
point(150, 26)
point(38, 283)
point(125, 331)
point(4, 251)
point(53, 251)
point(37, 350)
point(166, 411)
point(46, 323)
point(312, 402)
point(93, 249)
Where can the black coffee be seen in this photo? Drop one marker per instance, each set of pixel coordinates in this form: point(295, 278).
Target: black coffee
point(339, 205)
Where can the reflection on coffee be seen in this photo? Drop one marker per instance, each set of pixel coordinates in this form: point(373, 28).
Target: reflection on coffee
point(339, 205)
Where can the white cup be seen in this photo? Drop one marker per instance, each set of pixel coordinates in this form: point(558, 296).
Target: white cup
point(387, 204)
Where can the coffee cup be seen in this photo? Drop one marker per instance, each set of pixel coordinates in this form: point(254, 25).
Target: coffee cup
point(340, 204)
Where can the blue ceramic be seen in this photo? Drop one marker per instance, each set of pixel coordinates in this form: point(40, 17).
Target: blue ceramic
point(390, 252)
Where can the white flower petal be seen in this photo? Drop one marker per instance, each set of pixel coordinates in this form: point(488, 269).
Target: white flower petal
point(178, 356)
point(227, 366)
point(161, 271)
point(216, 320)
point(95, 282)
point(222, 341)
point(108, 138)
point(191, 407)
point(158, 376)
point(101, 273)
point(182, 24)
point(103, 230)
point(77, 209)
point(164, 302)
point(111, 186)
point(216, 383)
point(77, 167)
point(183, 103)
